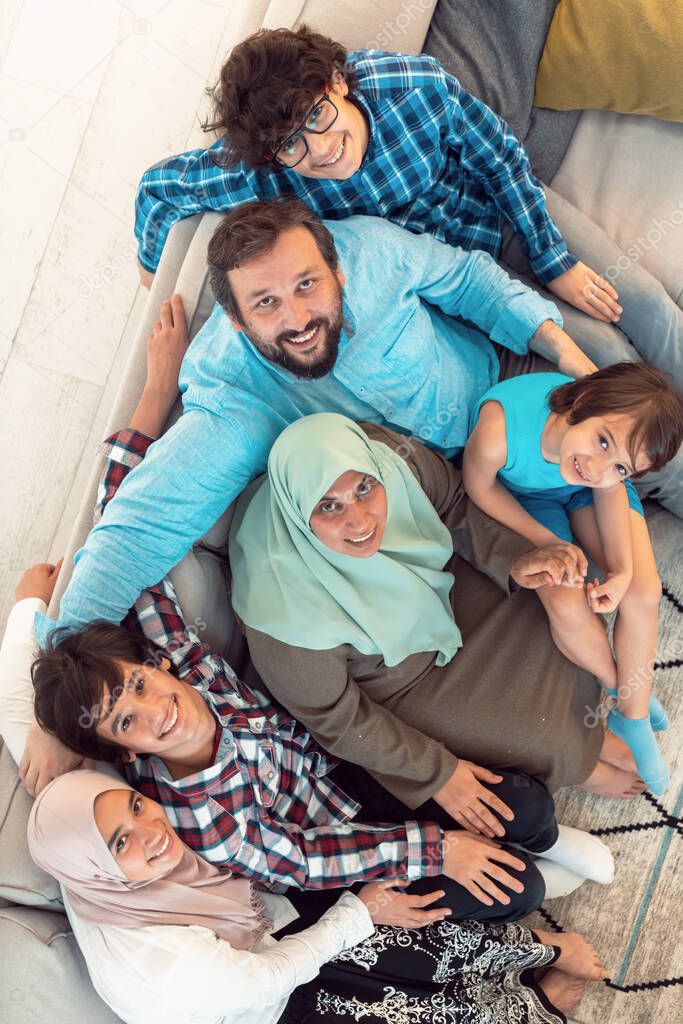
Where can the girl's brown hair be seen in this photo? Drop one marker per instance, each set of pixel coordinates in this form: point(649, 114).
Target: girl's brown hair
point(631, 389)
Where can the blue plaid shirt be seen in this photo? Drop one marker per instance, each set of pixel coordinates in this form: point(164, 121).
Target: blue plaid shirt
point(439, 161)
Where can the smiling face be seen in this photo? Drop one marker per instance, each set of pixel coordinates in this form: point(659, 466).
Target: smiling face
point(596, 453)
point(339, 151)
point(351, 516)
point(155, 713)
point(290, 304)
point(138, 834)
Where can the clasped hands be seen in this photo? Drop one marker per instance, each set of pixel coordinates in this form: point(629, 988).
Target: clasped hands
point(564, 565)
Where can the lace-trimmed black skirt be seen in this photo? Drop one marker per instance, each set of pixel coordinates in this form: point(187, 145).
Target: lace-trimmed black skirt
point(448, 973)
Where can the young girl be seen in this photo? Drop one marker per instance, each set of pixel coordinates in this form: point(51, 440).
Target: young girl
point(168, 936)
point(548, 457)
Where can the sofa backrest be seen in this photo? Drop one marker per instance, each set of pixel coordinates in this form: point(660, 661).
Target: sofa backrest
point(21, 881)
point(493, 48)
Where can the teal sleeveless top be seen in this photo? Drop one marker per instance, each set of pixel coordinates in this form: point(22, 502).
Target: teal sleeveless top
point(525, 403)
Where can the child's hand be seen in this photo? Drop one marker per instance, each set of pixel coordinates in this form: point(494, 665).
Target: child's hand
point(38, 581)
point(582, 287)
point(477, 864)
point(605, 597)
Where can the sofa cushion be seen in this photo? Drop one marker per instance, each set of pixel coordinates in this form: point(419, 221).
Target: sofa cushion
point(637, 201)
point(382, 25)
point(43, 976)
point(21, 881)
point(626, 59)
point(493, 47)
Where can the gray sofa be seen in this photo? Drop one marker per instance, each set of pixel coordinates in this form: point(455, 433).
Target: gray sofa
point(625, 183)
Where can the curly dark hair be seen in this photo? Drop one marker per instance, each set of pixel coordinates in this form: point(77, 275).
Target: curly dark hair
point(266, 87)
point(634, 389)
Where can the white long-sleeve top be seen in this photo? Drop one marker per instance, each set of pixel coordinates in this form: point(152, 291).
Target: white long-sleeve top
point(16, 689)
point(172, 973)
point(175, 974)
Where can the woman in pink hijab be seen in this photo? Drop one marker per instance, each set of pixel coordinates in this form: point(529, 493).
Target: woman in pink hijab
point(168, 936)
point(115, 874)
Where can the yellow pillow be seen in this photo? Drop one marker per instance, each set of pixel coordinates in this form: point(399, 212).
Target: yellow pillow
point(624, 55)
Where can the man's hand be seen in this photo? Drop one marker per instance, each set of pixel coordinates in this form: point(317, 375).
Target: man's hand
point(388, 906)
point(45, 758)
point(38, 581)
point(605, 597)
point(560, 564)
point(582, 287)
point(166, 348)
point(552, 342)
point(146, 276)
point(474, 862)
point(468, 801)
point(575, 363)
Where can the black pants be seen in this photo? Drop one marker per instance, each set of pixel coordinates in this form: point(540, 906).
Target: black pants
point(534, 827)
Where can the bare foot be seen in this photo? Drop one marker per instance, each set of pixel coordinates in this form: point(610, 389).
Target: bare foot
point(615, 751)
point(563, 991)
point(606, 780)
point(577, 956)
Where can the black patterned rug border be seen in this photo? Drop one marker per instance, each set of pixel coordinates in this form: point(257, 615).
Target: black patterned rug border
point(642, 826)
point(671, 598)
point(640, 986)
point(645, 986)
point(549, 919)
point(663, 665)
point(660, 807)
point(666, 820)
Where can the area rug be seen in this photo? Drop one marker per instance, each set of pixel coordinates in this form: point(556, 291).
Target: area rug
point(636, 922)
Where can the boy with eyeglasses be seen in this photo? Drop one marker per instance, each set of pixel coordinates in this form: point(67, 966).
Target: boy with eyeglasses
point(397, 136)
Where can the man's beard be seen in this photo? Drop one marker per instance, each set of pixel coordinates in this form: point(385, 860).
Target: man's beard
point(310, 369)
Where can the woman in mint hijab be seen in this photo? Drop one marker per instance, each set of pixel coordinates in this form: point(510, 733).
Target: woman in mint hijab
point(399, 654)
point(374, 581)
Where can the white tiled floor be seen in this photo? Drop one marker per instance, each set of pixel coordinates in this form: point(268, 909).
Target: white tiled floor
point(90, 95)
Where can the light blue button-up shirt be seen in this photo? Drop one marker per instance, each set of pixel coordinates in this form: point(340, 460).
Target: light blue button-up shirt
point(403, 361)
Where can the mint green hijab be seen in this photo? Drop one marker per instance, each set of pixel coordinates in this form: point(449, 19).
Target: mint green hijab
point(290, 585)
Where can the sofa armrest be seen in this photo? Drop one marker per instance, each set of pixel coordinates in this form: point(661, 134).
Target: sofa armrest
point(176, 273)
point(42, 971)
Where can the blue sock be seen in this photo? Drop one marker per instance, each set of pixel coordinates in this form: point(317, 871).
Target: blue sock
point(659, 720)
point(638, 734)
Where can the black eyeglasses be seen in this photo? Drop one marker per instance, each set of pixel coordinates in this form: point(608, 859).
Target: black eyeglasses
point(319, 118)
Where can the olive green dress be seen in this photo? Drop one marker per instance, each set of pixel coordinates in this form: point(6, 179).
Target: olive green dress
point(507, 699)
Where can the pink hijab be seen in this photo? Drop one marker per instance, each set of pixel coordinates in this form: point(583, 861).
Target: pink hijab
point(64, 840)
